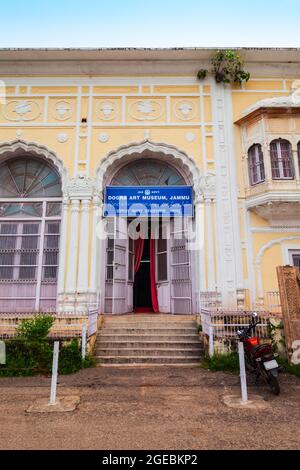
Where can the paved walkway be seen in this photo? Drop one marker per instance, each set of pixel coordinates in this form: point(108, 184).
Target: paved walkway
point(172, 408)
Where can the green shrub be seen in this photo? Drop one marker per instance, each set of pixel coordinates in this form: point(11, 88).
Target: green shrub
point(293, 369)
point(31, 353)
point(222, 362)
point(35, 329)
point(26, 359)
point(69, 358)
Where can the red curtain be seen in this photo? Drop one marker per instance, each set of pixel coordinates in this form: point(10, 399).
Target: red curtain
point(153, 276)
point(138, 253)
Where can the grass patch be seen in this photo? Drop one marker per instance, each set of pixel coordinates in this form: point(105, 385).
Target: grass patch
point(221, 362)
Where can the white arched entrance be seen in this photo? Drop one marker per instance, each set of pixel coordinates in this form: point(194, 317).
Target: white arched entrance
point(175, 266)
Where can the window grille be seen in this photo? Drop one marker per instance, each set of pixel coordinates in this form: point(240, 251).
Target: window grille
point(30, 211)
point(281, 159)
point(256, 164)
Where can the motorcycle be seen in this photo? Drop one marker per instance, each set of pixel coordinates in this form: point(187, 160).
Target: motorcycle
point(259, 357)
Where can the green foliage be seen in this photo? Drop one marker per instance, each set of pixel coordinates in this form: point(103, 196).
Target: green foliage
point(221, 362)
point(227, 68)
point(35, 329)
point(31, 353)
point(293, 369)
point(70, 360)
point(199, 328)
point(201, 75)
point(26, 359)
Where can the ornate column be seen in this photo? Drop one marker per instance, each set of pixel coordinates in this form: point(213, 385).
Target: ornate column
point(62, 254)
point(80, 191)
point(83, 262)
point(95, 288)
point(228, 242)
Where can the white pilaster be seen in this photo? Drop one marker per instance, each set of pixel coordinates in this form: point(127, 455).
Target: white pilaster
point(71, 287)
point(228, 231)
point(83, 262)
point(211, 282)
point(63, 247)
point(200, 258)
point(94, 272)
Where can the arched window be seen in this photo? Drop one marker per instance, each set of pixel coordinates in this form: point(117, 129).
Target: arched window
point(281, 159)
point(148, 172)
point(30, 211)
point(256, 164)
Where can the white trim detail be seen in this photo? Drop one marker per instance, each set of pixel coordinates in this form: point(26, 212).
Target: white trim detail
point(189, 165)
point(258, 260)
point(40, 150)
point(288, 251)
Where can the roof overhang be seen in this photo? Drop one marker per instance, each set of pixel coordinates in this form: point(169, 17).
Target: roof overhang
point(138, 61)
point(263, 111)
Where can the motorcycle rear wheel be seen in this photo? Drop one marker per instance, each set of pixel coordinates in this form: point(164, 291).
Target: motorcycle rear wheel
point(274, 384)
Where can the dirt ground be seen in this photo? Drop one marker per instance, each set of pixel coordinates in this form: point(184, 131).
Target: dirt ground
point(153, 408)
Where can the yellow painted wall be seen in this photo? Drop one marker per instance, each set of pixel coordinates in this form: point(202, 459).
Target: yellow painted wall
point(115, 111)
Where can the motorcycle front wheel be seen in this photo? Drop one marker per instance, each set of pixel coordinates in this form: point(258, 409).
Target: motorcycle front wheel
point(273, 384)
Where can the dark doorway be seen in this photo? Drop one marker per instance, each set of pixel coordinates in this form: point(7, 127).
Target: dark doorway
point(142, 291)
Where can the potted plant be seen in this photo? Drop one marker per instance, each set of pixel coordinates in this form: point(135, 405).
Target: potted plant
point(227, 67)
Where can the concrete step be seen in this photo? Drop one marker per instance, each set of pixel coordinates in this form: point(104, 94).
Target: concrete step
point(148, 317)
point(141, 352)
point(162, 360)
point(153, 324)
point(148, 340)
point(146, 337)
point(148, 330)
point(103, 344)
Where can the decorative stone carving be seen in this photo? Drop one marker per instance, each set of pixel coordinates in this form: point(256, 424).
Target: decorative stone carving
point(190, 136)
point(80, 188)
point(63, 110)
point(185, 110)
point(25, 110)
point(289, 288)
point(62, 137)
point(106, 110)
point(103, 137)
point(207, 185)
point(146, 110)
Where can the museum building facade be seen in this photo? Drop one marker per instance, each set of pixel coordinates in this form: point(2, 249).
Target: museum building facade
point(83, 130)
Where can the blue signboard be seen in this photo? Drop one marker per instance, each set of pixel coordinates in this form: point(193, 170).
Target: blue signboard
point(148, 201)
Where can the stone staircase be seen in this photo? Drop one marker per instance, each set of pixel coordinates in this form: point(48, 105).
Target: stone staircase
point(148, 339)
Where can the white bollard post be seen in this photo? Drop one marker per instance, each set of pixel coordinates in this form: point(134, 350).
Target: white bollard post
point(2, 353)
point(83, 341)
point(211, 341)
point(54, 373)
point(243, 372)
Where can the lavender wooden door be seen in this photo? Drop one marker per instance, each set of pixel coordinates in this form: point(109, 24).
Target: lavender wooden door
point(116, 282)
point(180, 266)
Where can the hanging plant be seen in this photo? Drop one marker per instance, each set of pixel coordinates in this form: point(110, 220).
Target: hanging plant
point(227, 68)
